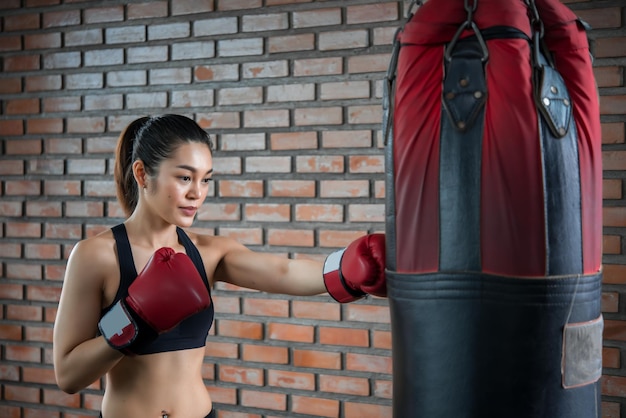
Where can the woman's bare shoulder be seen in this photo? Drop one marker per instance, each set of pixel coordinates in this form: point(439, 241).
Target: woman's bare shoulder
point(96, 252)
point(206, 241)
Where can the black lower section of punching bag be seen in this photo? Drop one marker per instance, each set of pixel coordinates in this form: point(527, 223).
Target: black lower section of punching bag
point(474, 345)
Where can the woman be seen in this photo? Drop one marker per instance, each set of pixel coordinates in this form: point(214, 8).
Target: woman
point(163, 169)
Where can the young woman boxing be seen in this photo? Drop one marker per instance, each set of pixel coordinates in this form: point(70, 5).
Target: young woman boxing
point(136, 303)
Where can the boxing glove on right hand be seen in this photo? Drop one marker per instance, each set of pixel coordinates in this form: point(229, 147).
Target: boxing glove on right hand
point(168, 290)
point(357, 270)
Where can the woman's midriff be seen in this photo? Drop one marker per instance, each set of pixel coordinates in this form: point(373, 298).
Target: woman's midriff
point(157, 384)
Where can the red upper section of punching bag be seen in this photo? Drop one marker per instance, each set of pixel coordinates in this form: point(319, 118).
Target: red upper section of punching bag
point(512, 225)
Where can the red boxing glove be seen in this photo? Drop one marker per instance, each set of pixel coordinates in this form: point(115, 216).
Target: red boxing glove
point(168, 290)
point(357, 270)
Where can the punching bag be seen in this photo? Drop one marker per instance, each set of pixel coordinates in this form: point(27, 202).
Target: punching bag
point(493, 212)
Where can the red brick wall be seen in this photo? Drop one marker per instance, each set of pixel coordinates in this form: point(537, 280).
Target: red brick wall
point(291, 91)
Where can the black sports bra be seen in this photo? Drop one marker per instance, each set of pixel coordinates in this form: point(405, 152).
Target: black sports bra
point(190, 333)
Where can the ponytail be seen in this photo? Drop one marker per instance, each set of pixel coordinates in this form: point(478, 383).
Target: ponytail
point(127, 190)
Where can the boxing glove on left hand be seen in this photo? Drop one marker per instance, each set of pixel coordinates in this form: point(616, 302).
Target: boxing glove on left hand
point(168, 290)
point(357, 270)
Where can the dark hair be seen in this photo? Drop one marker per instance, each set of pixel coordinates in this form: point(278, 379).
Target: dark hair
point(151, 140)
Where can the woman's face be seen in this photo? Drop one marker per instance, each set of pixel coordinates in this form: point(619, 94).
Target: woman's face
point(182, 184)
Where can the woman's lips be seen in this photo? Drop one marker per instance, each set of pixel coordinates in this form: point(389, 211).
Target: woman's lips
point(189, 210)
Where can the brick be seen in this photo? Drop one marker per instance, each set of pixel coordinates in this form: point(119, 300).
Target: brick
point(611, 357)
point(368, 363)
point(217, 26)
point(169, 31)
point(357, 386)
point(223, 395)
point(345, 90)
point(266, 69)
point(315, 406)
point(126, 78)
point(241, 188)
point(316, 359)
point(315, 18)
point(614, 216)
point(157, 53)
point(11, 209)
point(367, 164)
point(22, 353)
point(344, 336)
point(368, 63)
point(612, 189)
point(222, 350)
point(42, 83)
point(84, 37)
point(21, 63)
point(84, 81)
point(608, 76)
point(384, 36)
point(125, 34)
point(45, 209)
point(318, 213)
point(22, 187)
point(61, 104)
point(267, 212)
point(238, 4)
point(316, 310)
point(23, 271)
point(334, 40)
point(291, 379)
point(104, 14)
point(239, 47)
point(372, 13)
point(318, 116)
point(265, 400)
point(147, 10)
point(240, 95)
point(601, 18)
point(21, 394)
point(264, 22)
point(86, 125)
point(610, 302)
point(291, 43)
point(109, 56)
point(219, 120)
point(317, 66)
point(613, 105)
point(62, 60)
point(382, 339)
point(239, 329)
point(362, 410)
point(319, 164)
point(368, 313)
point(290, 93)
point(40, 41)
point(611, 244)
point(265, 354)
point(84, 209)
point(61, 19)
point(10, 85)
point(14, 43)
point(47, 167)
point(221, 72)
point(292, 188)
point(23, 146)
point(344, 188)
point(192, 98)
point(290, 332)
point(170, 76)
point(613, 133)
point(246, 236)
point(241, 375)
point(182, 7)
point(22, 106)
point(146, 100)
point(22, 22)
point(193, 50)
point(614, 274)
point(613, 386)
point(292, 237)
point(269, 164)
point(293, 140)
point(366, 213)
point(23, 229)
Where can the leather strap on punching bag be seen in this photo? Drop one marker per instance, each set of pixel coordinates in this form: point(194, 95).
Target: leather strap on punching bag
point(493, 273)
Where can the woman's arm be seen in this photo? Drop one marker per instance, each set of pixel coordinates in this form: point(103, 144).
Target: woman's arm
point(268, 272)
point(346, 275)
point(80, 358)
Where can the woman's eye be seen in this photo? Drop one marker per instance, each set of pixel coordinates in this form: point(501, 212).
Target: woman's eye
point(207, 180)
point(185, 178)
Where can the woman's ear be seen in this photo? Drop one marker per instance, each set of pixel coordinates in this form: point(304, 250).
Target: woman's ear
point(139, 172)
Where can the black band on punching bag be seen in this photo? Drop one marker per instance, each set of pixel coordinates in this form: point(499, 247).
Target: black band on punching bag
point(561, 169)
point(464, 95)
